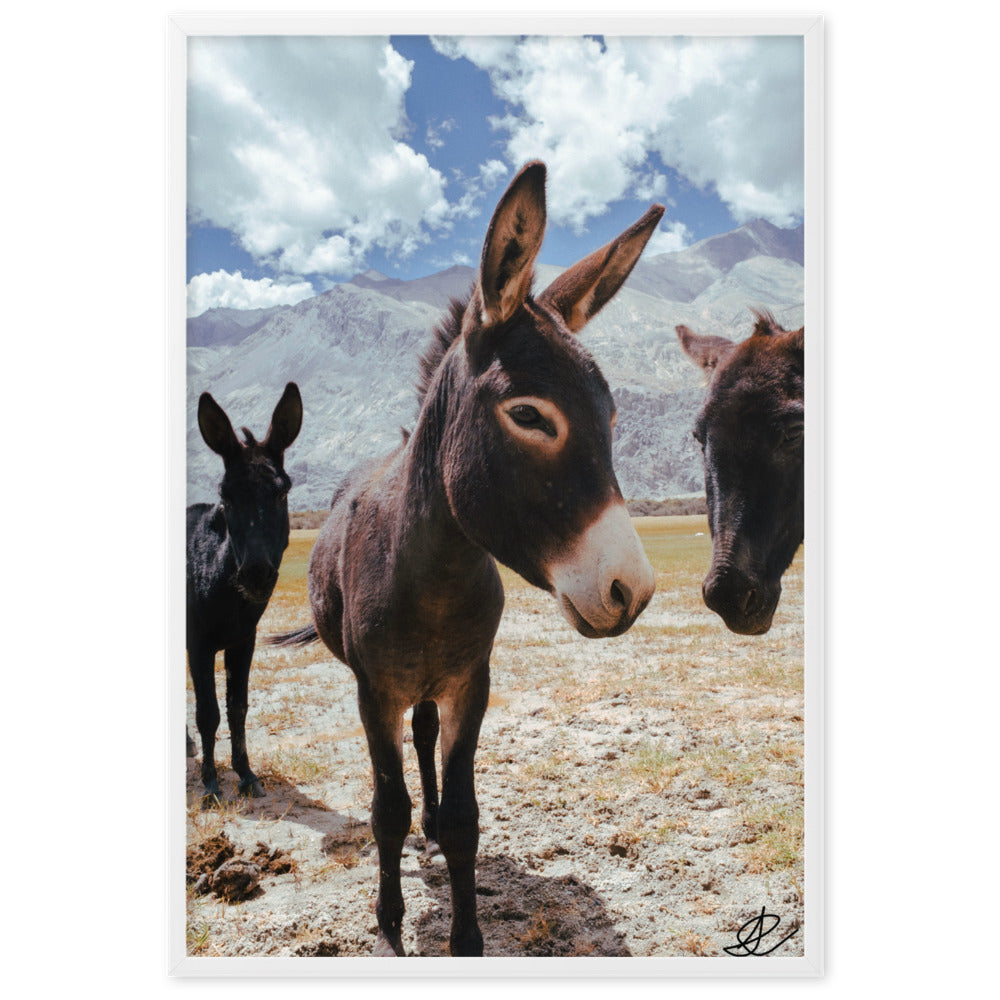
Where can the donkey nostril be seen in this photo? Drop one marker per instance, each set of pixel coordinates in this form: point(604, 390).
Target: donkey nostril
point(621, 596)
point(748, 600)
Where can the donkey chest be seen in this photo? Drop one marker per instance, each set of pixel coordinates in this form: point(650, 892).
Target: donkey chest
point(424, 638)
point(221, 618)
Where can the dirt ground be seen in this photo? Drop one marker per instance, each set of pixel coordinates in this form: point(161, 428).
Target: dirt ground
point(638, 796)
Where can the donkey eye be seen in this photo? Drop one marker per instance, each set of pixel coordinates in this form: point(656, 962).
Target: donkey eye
point(528, 417)
point(793, 434)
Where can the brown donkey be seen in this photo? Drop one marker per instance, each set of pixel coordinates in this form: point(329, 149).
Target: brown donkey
point(510, 460)
point(750, 429)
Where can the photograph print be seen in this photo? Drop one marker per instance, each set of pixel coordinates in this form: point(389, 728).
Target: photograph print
point(495, 452)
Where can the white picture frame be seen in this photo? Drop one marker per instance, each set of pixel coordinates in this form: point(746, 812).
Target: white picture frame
point(811, 964)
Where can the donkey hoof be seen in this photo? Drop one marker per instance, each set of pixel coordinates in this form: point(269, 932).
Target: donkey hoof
point(384, 948)
point(432, 850)
point(211, 798)
point(468, 944)
point(251, 789)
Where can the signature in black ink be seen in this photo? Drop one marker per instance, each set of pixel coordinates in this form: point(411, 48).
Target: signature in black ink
point(753, 932)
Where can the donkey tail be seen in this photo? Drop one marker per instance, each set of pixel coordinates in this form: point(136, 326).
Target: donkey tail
point(299, 637)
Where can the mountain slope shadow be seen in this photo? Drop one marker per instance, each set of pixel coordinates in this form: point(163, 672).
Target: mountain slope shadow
point(521, 913)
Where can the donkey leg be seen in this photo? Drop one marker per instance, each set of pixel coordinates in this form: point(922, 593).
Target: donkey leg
point(425, 733)
point(238, 660)
point(201, 663)
point(458, 816)
point(390, 817)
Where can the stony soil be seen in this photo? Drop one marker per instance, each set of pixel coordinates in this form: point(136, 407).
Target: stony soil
point(638, 796)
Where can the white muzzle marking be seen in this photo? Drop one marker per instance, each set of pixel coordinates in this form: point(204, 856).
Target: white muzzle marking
point(605, 583)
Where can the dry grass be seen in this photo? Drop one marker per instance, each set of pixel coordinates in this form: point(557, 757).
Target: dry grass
point(555, 929)
point(198, 932)
point(676, 708)
point(203, 824)
point(654, 766)
point(347, 853)
point(296, 767)
point(696, 944)
point(774, 838)
point(289, 604)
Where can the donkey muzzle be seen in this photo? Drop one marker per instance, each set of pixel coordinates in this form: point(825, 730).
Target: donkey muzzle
point(256, 581)
point(607, 581)
point(745, 604)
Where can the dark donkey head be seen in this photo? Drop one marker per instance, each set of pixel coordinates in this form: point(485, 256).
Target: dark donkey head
point(254, 490)
point(526, 419)
point(750, 429)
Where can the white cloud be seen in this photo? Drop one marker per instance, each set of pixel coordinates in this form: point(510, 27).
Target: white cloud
point(674, 237)
point(295, 144)
point(649, 187)
point(220, 289)
point(492, 172)
point(434, 130)
point(475, 188)
point(483, 50)
point(722, 111)
point(455, 257)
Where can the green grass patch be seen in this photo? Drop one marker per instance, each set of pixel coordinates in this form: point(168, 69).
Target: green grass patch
point(297, 767)
point(773, 838)
point(652, 764)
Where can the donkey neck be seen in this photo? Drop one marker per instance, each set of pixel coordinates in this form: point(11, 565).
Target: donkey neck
point(211, 561)
point(430, 530)
point(217, 546)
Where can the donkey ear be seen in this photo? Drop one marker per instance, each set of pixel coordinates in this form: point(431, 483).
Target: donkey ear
point(796, 339)
point(512, 243)
point(705, 350)
point(579, 293)
point(286, 421)
point(216, 429)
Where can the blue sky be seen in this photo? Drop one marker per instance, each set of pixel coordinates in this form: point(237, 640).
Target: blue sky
point(311, 159)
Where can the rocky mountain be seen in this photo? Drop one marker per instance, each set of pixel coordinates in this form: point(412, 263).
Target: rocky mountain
point(683, 276)
point(435, 290)
point(354, 351)
point(219, 327)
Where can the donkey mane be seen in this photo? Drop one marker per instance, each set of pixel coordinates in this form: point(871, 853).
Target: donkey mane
point(443, 336)
point(449, 329)
point(765, 323)
point(255, 453)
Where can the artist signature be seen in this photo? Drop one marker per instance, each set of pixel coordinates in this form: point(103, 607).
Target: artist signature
point(753, 932)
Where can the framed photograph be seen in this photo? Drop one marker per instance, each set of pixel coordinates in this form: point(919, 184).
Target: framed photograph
point(491, 469)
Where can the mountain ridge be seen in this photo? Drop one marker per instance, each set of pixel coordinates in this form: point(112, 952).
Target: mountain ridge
point(354, 352)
